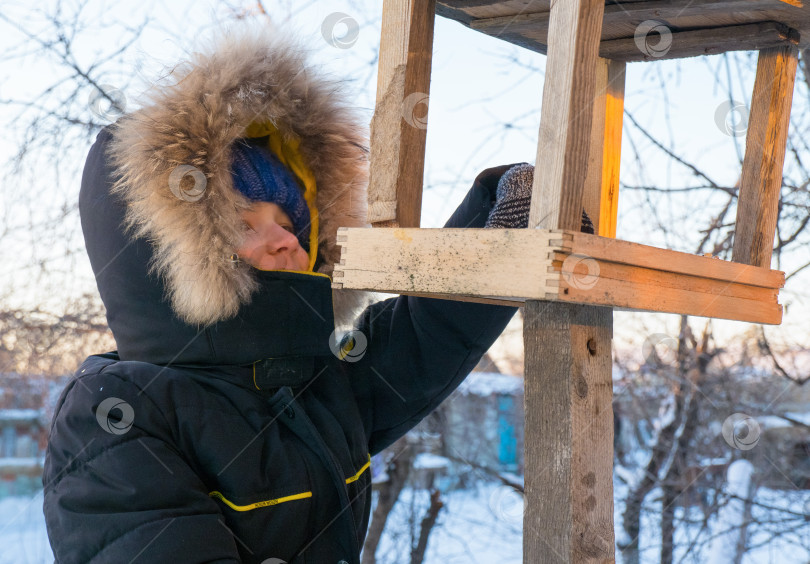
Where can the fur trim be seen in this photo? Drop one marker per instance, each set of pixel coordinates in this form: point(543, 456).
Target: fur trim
point(253, 75)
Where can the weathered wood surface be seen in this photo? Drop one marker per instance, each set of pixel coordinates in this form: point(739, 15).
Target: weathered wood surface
point(515, 265)
point(709, 41)
point(566, 115)
point(399, 124)
point(526, 23)
point(568, 458)
point(766, 136)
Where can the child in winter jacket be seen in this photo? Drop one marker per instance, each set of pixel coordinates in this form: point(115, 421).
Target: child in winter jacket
point(229, 425)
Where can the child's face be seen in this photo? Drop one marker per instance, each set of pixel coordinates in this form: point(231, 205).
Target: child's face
point(270, 242)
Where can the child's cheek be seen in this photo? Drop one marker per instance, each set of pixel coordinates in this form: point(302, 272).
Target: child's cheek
point(248, 249)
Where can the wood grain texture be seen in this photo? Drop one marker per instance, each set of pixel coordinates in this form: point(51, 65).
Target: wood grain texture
point(440, 260)
point(601, 195)
point(525, 23)
point(566, 115)
point(399, 124)
point(709, 41)
point(766, 137)
point(511, 266)
point(568, 446)
point(627, 252)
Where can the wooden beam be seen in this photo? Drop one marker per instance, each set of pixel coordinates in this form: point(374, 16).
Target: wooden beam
point(515, 265)
point(399, 124)
point(627, 15)
point(601, 195)
point(636, 254)
point(761, 179)
point(566, 115)
point(710, 41)
point(705, 28)
point(568, 448)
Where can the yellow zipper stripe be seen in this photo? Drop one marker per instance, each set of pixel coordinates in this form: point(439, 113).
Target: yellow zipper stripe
point(303, 495)
point(359, 472)
point(258, 504)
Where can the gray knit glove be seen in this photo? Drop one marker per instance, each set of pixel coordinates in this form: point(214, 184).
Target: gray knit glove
point(513, 200)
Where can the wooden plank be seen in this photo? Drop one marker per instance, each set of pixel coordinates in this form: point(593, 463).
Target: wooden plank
point(508, 266)
point(637, 296)
point(526, 24)
point(621, 297)
point(663, 279)
point(568, 457)
point(621, 18)
point(601, 195)
point(627, 252)
point(566, 114)
point(710, 41)
point(405, 250)
point(428, 260)
point(761, 179)
point(399, 124)
point(514, 302)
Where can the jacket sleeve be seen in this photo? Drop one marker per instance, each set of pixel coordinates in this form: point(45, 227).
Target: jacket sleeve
point(122, 494)
point(420, 349)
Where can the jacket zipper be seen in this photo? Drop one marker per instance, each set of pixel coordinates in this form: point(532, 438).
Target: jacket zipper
point(329, 459)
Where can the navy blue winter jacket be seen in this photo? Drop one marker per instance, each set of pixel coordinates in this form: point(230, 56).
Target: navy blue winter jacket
point(247, 440)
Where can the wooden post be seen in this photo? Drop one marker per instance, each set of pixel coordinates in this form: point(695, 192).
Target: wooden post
point(601, 196)
point(568, 441)
point(761, 179)
point(568, 446)
point(567, 113)
point(399, 125)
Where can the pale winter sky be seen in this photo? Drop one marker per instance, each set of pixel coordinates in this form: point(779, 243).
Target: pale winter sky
point(484, 111)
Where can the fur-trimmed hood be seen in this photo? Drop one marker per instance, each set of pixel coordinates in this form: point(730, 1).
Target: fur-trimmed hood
point(172, 164)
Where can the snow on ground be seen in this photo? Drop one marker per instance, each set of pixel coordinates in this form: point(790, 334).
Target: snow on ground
point(775, 542)
point(731, 517)
point(479, 525)
point(23, 539)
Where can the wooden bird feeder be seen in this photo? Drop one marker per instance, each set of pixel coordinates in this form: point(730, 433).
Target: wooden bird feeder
point(570, 282)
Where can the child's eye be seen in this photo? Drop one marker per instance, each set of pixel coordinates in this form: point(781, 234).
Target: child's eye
point(288, 228)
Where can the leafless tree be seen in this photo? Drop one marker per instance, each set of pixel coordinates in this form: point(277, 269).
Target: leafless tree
point(695, 395)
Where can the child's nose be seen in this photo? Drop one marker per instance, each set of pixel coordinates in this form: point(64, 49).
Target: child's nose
point(281, 240)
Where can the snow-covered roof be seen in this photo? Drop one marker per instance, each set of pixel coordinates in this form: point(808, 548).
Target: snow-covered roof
point(20, 463)
point(777, 422)
point(488, 383)
point(20, 414)
point(430, 461)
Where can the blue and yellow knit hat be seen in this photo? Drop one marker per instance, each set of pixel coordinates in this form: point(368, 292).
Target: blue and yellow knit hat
point(261, 177)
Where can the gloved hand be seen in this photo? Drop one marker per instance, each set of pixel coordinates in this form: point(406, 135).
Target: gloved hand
point(513, 200)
